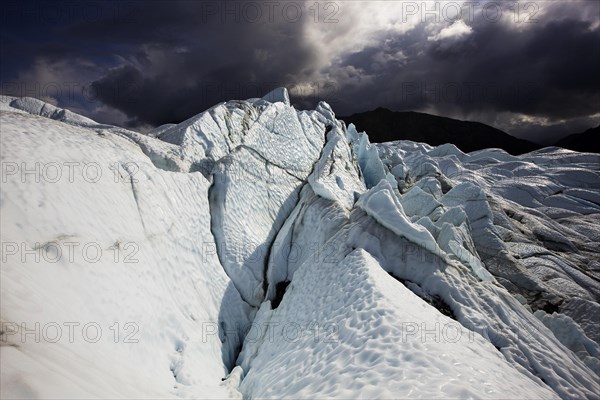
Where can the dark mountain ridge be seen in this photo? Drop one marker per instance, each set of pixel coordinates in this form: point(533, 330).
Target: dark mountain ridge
point(587, 141)
point(384, 125)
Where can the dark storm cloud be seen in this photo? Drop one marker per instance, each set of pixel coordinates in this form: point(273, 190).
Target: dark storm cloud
point(174, 58)
point(548, 70)
point(160, 61)
point(192, 58)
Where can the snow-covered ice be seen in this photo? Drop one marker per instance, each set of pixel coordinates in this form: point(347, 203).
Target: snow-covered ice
point(259, 251)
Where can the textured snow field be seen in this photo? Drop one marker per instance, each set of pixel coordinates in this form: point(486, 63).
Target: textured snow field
point(348, 329)
point(257, 251)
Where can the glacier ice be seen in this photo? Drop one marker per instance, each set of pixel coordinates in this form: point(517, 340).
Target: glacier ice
point(270, 252)
point(278, 95)
point(367, 156)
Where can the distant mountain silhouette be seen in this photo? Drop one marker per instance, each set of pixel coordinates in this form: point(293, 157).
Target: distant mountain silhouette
point(384, 125)
point(585, 141)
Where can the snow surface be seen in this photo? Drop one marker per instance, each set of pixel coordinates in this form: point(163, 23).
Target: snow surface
point(166, 284)
point(360, 332)
point(255, 250)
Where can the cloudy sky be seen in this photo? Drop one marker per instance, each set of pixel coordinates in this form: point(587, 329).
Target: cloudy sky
point(528, 67)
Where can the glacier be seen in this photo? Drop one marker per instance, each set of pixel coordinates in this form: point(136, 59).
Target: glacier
point(259, 251)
